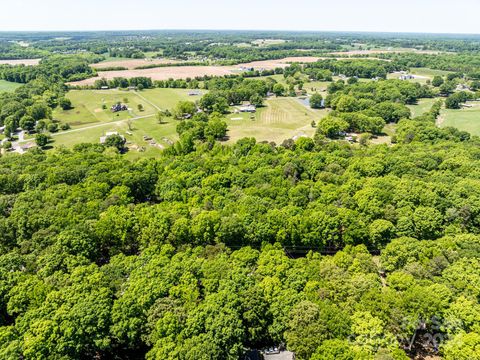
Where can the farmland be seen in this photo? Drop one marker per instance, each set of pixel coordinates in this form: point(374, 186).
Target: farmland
point(27, 62)
point(183, 72)
point(131, 63)
point(189, 71)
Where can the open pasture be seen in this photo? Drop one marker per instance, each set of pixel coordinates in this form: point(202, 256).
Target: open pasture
point(168, 98)
point(422, 106)
point(159, 135)
point(8, 86)
point(280, 119)
point(87, 107)
point(430, 73)
point(467, 119)
point(89, 121)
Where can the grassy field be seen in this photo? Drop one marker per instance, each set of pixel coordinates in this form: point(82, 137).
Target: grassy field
point(428, 72)
point(168, 98)
point(467, 119)
point(280, 119)
point(87, 107)
point(89, 121)
point(421, 107)
point(424, 74)
point(139, 128)
point(8, 86)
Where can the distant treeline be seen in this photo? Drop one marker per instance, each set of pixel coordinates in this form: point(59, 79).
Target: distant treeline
point(67, 68)
point(112, 68)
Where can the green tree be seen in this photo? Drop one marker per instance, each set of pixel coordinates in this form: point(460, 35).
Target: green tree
point(27, 123)
point(216, 128)
point(311, 324)
point(42, 140)
point(437, 81)
point(463, 347)
point(214, 102)
point(184, 109)
point(316, 101)
point(256, 100)
point(115, 141)
point(160, 117)
point(278, 90)
point(332, 127)
point(65, 103)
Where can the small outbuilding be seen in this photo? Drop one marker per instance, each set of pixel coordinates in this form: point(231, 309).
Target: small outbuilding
point(248, 108)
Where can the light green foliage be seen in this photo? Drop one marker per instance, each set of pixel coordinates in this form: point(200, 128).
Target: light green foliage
point(316, 101)
point(332, 127)
point(462, 347)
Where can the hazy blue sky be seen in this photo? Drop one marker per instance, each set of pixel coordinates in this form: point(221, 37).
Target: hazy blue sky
point(453, 16)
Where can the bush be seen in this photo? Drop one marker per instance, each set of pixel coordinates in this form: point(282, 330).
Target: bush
point(52, 127)
point(65, 103)
point(42, 140)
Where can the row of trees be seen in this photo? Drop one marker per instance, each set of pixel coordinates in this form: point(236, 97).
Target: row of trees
point(54, 67)
point(119, 82)
point(368, 69)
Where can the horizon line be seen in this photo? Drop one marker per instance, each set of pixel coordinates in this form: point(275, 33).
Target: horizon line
point(242, 30)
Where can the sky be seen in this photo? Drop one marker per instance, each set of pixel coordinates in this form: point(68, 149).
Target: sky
point(432, 16)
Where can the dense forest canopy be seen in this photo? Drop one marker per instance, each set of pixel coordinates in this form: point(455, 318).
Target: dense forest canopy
point(81, 229)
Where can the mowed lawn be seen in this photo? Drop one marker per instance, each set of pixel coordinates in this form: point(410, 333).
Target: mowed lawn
point(162, 134)
point(280, 119)
point(168, 98)
point(8, 86)
point(87, 107)
point(467, 119)
point(89, 121)
point(422, 106)
point(429, 72)
point(424, 74)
